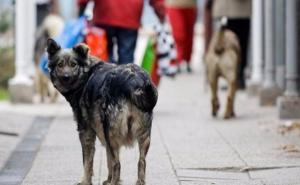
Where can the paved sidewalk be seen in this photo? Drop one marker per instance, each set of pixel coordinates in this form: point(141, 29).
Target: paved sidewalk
point(188, 146)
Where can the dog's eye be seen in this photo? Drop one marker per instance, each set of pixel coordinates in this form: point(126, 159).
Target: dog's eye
point(73, 64)
point(60, 65)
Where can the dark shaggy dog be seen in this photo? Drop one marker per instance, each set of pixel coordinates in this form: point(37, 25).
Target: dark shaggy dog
point(113, 103)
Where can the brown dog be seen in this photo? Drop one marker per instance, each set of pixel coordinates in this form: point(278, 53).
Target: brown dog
point(51, 27)
point(222, 60)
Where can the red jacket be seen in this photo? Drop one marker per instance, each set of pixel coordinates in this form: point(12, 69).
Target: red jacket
point(122, 13)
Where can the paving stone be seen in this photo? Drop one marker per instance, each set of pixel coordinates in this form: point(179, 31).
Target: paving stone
point(278, 176)
point(59, 158)
point(186, 174)
point(221, 182)
point(11, 123)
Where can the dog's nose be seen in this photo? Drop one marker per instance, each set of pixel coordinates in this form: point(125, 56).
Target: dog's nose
point(66, 78)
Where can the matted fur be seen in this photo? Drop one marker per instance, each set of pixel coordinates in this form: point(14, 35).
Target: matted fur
point(111, 102)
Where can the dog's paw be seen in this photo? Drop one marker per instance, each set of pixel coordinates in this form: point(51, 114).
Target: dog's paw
point(140, 182)
point(110, 183)
point(83, 183)
point(107, 182)
point(229, 115)
point(226, 117)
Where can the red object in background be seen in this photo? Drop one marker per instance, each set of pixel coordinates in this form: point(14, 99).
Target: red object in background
point(154, 74)
point(96, 39)
point(182, 21)
point(122, 13)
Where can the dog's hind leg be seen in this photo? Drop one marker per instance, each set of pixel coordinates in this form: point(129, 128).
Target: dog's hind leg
point(144, 144)
point(87, 139)
point(214, 91)
point(109, 167)
point(229, 112)
point(114, 167)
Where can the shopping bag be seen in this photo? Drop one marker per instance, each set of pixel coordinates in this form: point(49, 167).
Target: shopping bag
point(149, 57)
point(166, 51)
point(149, 62)
point(96, 39)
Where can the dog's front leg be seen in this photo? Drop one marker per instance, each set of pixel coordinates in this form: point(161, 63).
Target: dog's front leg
point(144, 144)
point(87, 139)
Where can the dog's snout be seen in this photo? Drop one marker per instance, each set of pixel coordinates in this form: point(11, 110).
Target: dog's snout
point(66, 78)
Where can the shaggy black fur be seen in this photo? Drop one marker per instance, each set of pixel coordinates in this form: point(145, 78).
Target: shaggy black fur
point(88, 85)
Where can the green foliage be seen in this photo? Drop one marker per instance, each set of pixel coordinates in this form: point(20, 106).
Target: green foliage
point(4, 95)
point(6, 66)
point(5, 23)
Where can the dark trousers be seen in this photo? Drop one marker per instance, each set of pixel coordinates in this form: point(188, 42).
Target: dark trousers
point(241, 27)
point(42, 10)
point(125, 39)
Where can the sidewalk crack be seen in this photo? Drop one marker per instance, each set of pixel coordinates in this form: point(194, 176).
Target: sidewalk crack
point(233, 149)
point(242, 168)
point(168, 154)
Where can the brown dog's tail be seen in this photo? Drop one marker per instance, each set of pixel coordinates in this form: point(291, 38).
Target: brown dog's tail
point(220, 46)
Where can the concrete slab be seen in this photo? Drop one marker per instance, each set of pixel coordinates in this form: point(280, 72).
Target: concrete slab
point(19, 163)
point(59, 159)
point(12, 123)
point(278, 176)
point(288, 107)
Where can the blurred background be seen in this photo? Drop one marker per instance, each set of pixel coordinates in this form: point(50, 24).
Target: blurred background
point(172, 40)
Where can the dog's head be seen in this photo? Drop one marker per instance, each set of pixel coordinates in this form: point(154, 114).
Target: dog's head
point(67, 66)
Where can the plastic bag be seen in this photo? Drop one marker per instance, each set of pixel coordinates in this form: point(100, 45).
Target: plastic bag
point(149, 62)
point(96, 39)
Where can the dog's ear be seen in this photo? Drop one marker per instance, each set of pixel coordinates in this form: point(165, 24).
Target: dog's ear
point(52, 47)
point(82, 50)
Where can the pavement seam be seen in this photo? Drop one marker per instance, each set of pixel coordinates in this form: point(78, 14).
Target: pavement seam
point(234, 150)
point(168, 154)
point(242, 168)
point(22, 158)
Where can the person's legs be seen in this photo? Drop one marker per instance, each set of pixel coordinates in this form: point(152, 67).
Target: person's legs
point(42, 10)
point(178, 30)
point(190, 15)
point(241, 27)
point(126, 39)
point(110, 36)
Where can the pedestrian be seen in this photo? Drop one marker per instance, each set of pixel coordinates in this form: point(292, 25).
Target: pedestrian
point(238, 13)
point(182, 15)
point(121, 21)
point(208, 24)
point(44, 8)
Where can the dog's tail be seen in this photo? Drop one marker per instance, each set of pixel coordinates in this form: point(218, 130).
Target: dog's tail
point(220, 46)
point(223, 23)
point(145, 97)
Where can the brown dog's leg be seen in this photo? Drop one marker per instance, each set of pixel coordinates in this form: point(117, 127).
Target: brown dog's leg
point(214, 101)
point(229, 112)
point(144, 144)
point(87, 139)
